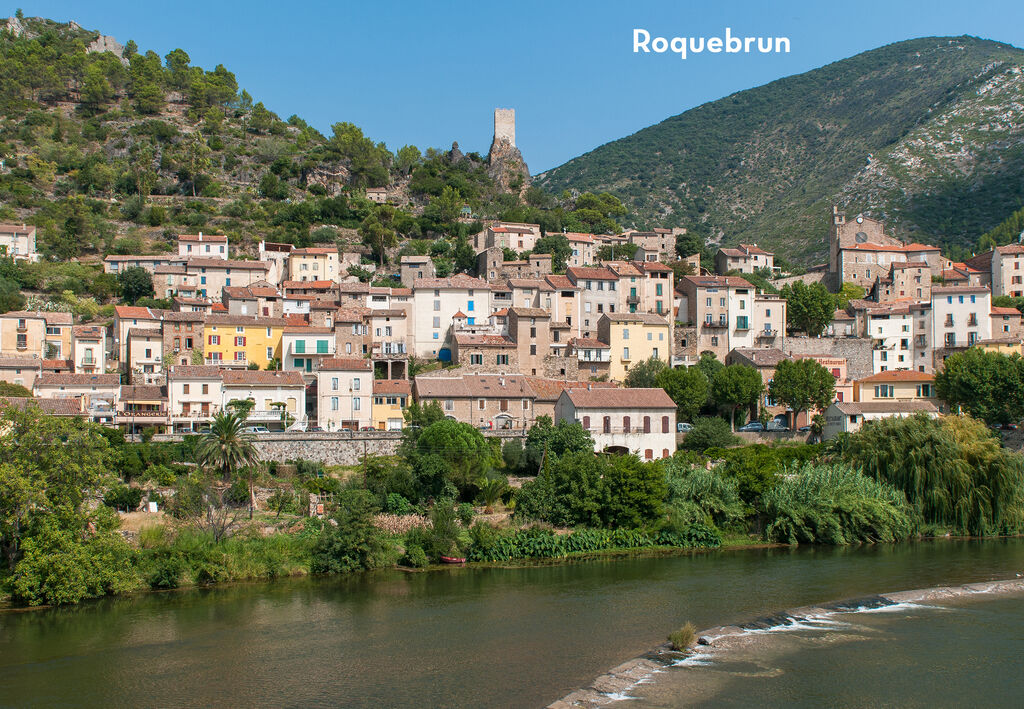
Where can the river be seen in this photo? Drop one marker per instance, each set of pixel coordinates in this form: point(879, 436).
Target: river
point(515, 637)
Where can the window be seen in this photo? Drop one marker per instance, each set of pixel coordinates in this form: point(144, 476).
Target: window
point(501, 359)
point(476, 359)
point(357, 403)
point(184, 389)
point(449, 405)
point(625, 353)
point(270, 353)
point(533, 349)
point(924, 390)
point(647, 424)
point(884, 391)
point(239, 356)
point(586, 423)
point(607, 424)
point(437, 305)
point(239, 342)
point(625, 424)
point(481, 403)
point(709, 302)
point(300, 346)
point(321, 346)
point(664, 424)
point(206, 388)
point(469, 306)
point(625, 334)
point(355, 384)
point(649, 454)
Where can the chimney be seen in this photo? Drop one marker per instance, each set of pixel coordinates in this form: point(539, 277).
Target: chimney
point(200, 236)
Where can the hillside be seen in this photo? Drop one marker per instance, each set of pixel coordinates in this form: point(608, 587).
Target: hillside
point(108, 148)
point(927, 134)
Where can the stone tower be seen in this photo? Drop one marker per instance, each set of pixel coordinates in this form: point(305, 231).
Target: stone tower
point(505, 163)
point(505, 125)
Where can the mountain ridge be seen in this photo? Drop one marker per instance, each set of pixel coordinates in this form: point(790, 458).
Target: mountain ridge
point(765, 164)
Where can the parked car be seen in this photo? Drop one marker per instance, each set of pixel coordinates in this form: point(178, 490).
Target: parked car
point(752, 427)
point(367, 428)
point(775, 425)
point(316, 429)
point(683, 427)
point(255, 429)
point(804, 429)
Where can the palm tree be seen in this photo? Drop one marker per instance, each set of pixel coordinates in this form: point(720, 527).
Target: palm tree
point(227, 449)
point(492, 487)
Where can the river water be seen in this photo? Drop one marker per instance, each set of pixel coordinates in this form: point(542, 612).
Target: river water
point(516, 637)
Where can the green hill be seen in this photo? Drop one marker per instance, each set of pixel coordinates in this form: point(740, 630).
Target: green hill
point(927, 134)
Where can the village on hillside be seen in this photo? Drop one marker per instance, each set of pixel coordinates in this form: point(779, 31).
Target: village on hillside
point(313, 349)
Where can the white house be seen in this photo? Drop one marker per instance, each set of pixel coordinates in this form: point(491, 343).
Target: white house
point(194, 395)
point(18, 242)
point(203, 245)
point(640, 421)
point(436, 300)
point(849, 416)
point(344, 394)
point(271, 392)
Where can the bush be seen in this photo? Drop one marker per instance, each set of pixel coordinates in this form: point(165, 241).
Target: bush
point(123, 498)
point(465, 513)
point(397, 505)
point(415, 557)
point(683, 638)
point(189, 497)
point(161, 475)
point(699, 495)
point(833, 504)
point(709, 432)
point(352, 542)
point(492, 544)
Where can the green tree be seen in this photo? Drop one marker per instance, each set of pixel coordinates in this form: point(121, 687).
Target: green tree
point(558, 246)
point(352, 543)
point(227, 449)
point(689, 389)
point(986, 385)
point(11, 297)
point(802, 384)
point(849, 291)
point(545, 439)
point(709, 432)
point(644, 375)
point(734, 387)
point(689, 244)
point(457, 450)
point(377, 236)
point(196, 159)
point(17, 390)
point(632, 492)
point(809, 308)
point(135, 282)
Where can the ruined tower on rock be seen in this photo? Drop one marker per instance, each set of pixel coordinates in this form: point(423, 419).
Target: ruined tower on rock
point(505, 163)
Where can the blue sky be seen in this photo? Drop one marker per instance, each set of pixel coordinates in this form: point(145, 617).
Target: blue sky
point(428, 73)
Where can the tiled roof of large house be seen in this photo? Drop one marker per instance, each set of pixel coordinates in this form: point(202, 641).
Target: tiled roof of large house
point(885, 407)
point(717, 281)
point(474, 386)
point(958, 290)
point(588, 343)
point(899, 375)
point(560, 282)
point(133, 312)
point(759, 357)
point(601, 398)
point(196, 262)
point(194, 371)
point(646, 318)
point(72, 406)
point(52, 379)
point(346, 364)
point(315, 285)
point(392, 386)
point(88, 332)
point(590, 273)
point(261, 377)
point(134, 332)
point(529, 312)
point(205, 238)
point(997, 310)
point(1010, 250)
point(18, 362)
point(551, 389)
point(459, 281)
point(215, 319)
point(315, 251)
point(143, 392)
point(16, 229)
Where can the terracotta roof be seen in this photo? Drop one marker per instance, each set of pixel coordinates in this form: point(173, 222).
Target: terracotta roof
point(459, 314)
point(227, 263)
point(529, 312)
point(958, 290)
point(307, 330)
point(244, 320)
point(458, 281)
point(57, 365)
point(184, 316)
point(551, 389)
point(841, 315)
point(15, 362)
point(346, 364)
point(760, 357)
point(885, 407)
point(392, 386)
point(193, 371)
point(131, 312)
point(260, 377)
point(54, 407)
point(588, 343)
point(717, 281)
point(996, 310)
point(484, 340)
point(1010, 249)
point(211, 238)
point(89, 332)
point(51, 318)
point(16, 228)
point(602, 398)
point(318, 285)
point(646, 318)
point(560, 282)
point(144, 392)
point(474, 386)
point(104, 381)
point(900, 265)
point(296, 320)
point(591, 273)
point(218, 308)
point(168, 269)
point(238, 292)
point(388, 313)
point(899, 375)
point(134, 332)
point(315, 251)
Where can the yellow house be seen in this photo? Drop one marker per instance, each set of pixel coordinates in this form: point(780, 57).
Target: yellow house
point(44, 335)
point(1007, 345)
point(896, 385)
point(632, 338)
point(390, 399)
point(240, 340)
point(316, 263)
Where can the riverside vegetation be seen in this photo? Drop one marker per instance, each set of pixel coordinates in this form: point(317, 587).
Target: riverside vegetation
point(62, 480)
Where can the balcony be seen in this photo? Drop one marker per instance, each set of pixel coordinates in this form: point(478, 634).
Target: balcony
point(632, 299)
point(388, 350)
point(767, 334)
point(303, 351)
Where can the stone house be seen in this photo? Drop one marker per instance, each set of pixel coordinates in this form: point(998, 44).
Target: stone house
point(849, 416)
point(415, 267)
point(20, 370)
point(194, 395)
point(345, 391)
point(598, 294)
point(638, 421)
point(89, 349)
point(490, 401)
point(99, 392)
point(39, 334)
point(745, 258)
point(214, 246)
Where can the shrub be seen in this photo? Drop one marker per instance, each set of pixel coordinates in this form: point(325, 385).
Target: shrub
point(352, 542)
point(124, 498)
point(683, 638)
point(699, 495)
point(465, 513)
point(709, 432)
point(161, 475)
point(415, 557)
point(833, 504)
point(397, 505)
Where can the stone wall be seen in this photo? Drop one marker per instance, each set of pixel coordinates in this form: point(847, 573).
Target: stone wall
point(855, 350)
